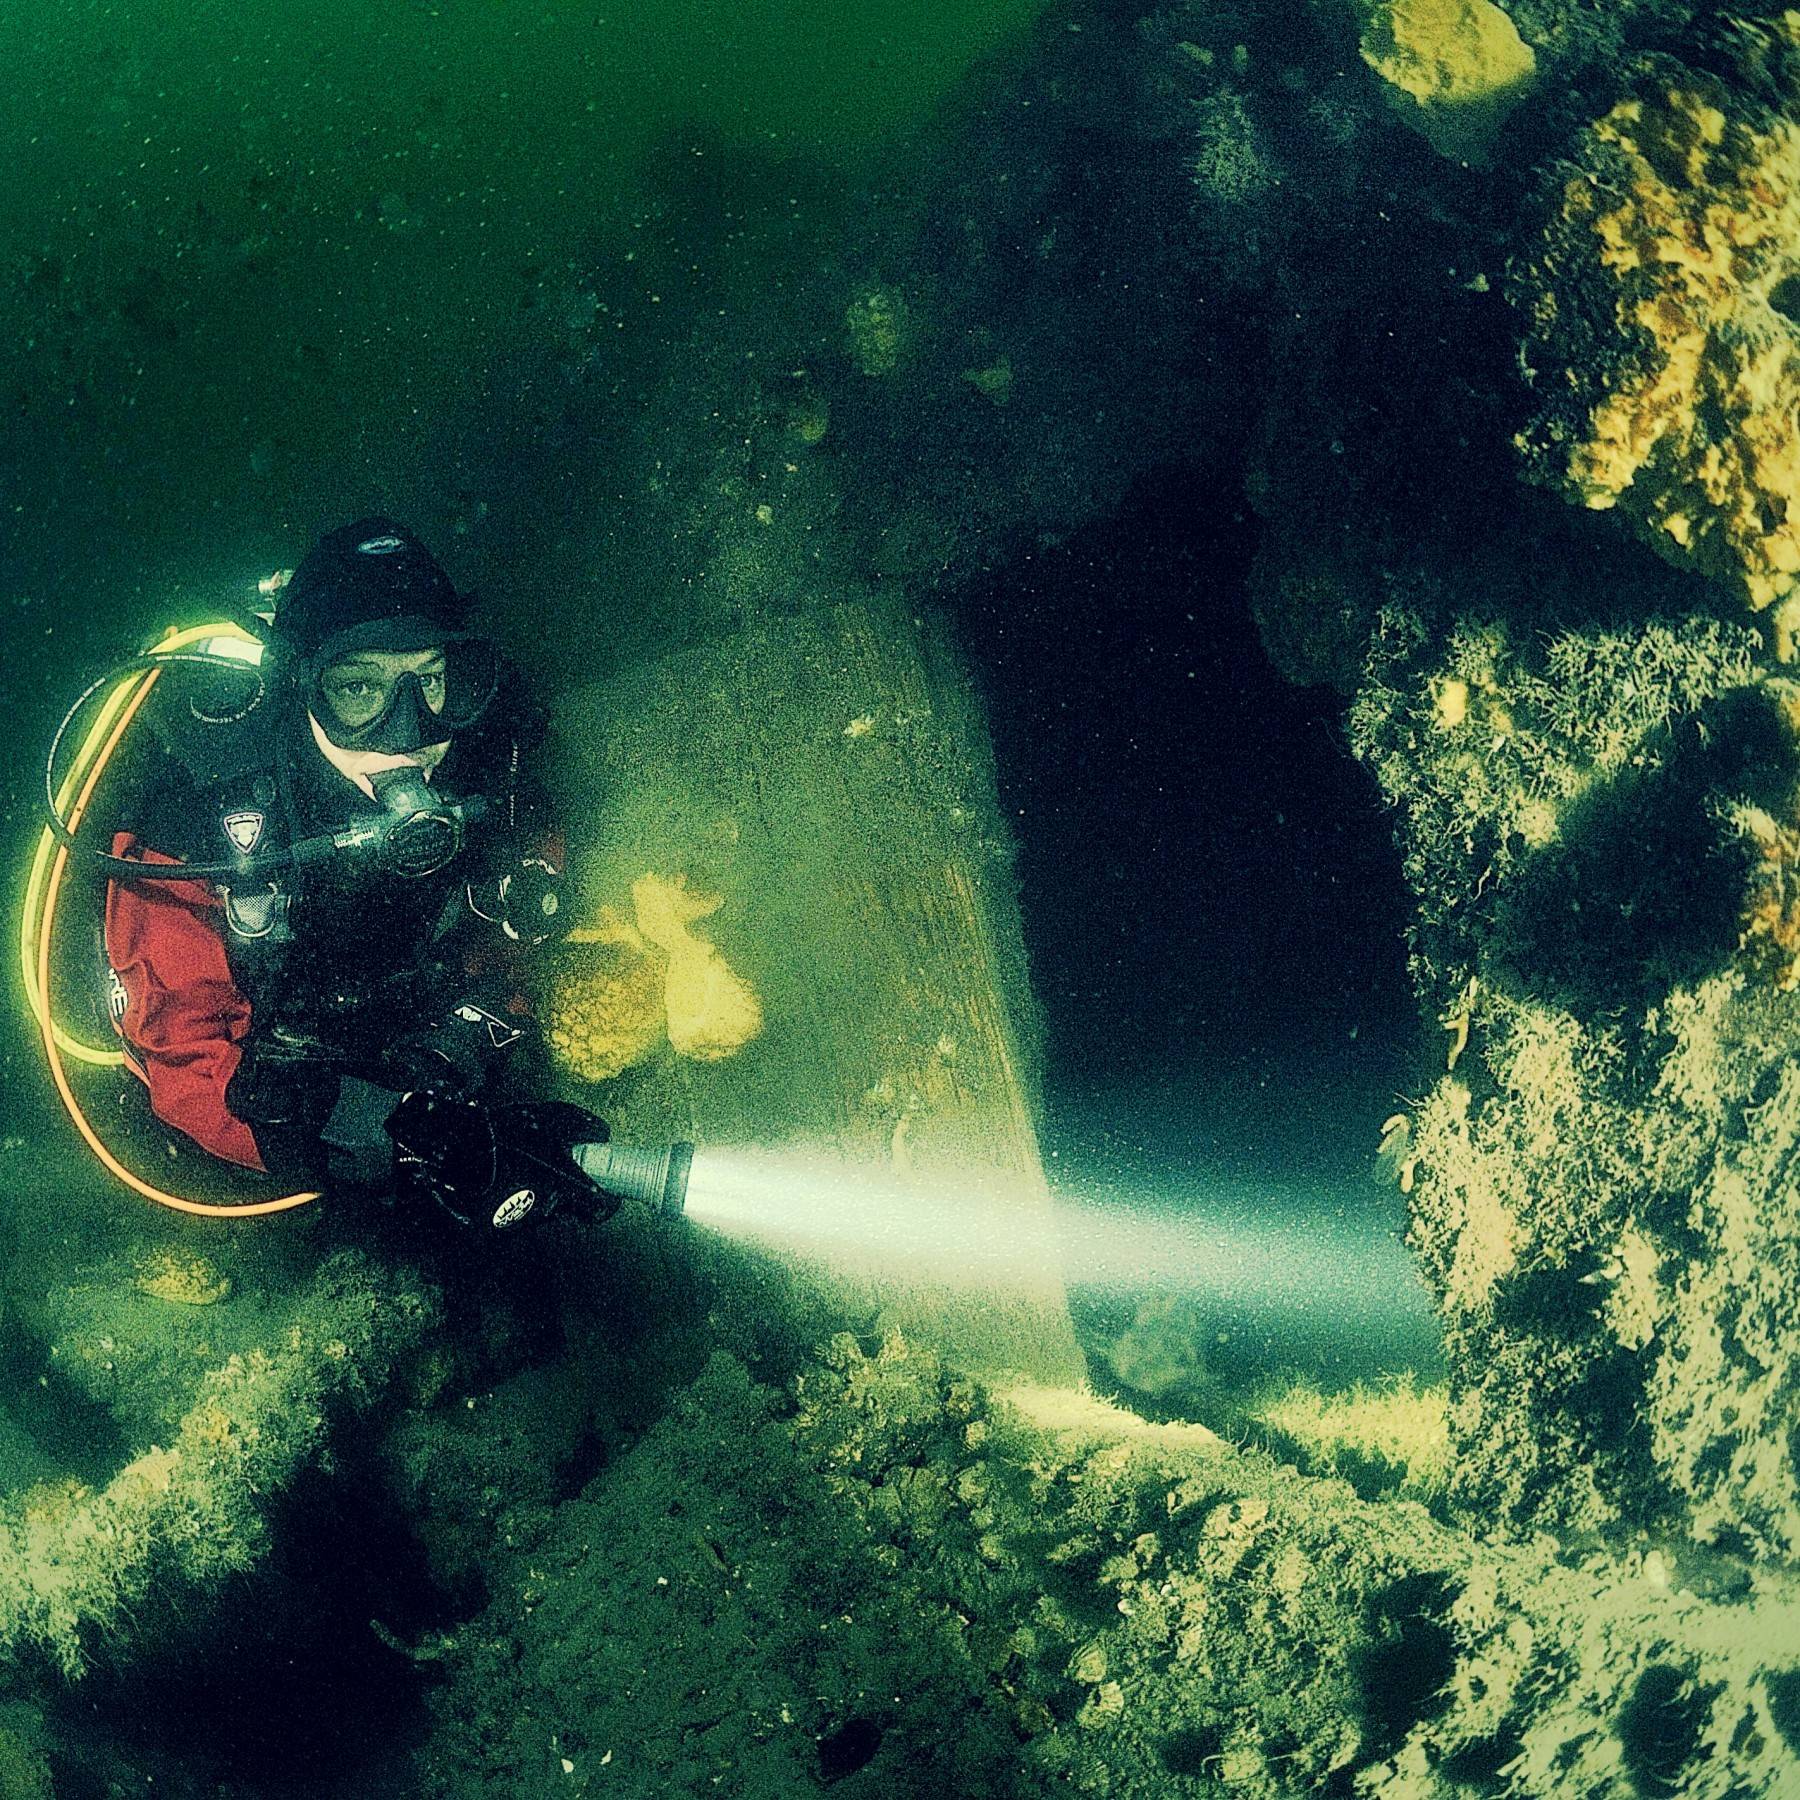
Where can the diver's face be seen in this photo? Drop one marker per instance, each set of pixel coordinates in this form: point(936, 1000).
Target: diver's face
point(358, 687)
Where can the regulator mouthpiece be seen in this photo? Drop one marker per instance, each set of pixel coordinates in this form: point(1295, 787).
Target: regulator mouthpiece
point(654, 1178)
point(421, 830)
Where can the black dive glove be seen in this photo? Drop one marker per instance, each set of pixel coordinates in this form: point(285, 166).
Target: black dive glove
point(458, 1054)
point(450, 1060)
point(537, 1173)
point(486, 1167)
point(524, 902)
point(445, 1149)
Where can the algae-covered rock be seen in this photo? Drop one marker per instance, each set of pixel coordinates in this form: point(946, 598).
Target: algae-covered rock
point(1389, 1436)
point(77, 1564)
point(24, 1774)
point(467, 1472)
point(1598, 1189)
point(879, 326)
point(1454, 68)
point(723, 1607)
point(182, 1278)
point(777, 1589)
point(1659, 311)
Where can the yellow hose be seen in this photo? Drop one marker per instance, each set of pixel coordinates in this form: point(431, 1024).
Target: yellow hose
point(118, 710)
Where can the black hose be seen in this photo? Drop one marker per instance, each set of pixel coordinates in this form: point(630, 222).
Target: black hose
point(123, 865)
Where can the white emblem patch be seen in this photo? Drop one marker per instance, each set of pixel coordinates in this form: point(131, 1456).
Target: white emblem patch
point(381, 546)
point(514, 1207)
point(499, 1033)
point(116, 997)
point(245, 830)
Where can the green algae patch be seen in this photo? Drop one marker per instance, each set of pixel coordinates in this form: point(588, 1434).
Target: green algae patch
point(24, 1774)
point(724, 1605)
point(138, 1356)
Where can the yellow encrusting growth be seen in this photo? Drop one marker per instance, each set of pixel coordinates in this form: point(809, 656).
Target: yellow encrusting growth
point(181, 1277)
point(1453, 68)
point(712, 1012)
point(1676, 242)
point(649, 976)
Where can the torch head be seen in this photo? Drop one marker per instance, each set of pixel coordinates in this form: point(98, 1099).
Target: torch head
point(655, 1178)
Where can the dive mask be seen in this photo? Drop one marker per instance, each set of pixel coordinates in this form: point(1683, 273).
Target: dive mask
point(360, 706)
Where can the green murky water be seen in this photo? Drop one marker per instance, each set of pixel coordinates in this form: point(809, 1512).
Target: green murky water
point(262, 256)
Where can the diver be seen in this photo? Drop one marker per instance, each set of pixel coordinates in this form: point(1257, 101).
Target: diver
point(335, 993)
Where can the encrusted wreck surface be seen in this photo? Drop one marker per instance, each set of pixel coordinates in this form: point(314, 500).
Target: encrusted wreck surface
point(834, 1574)
point(1487, 316)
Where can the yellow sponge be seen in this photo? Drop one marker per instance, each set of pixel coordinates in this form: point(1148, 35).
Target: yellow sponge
point(1454, 69)
point(648, 977)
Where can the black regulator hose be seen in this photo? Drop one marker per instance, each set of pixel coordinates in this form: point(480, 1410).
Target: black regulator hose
point(123, 865)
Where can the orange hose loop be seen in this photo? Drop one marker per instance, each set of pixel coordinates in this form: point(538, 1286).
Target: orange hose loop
point(250, 1209)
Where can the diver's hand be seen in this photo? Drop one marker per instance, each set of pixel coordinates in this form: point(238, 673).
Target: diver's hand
point(485, 1168)
point(538, 1172)
point(429, 1142)
point(524, 902)
point(497, 1169)
point(445, 1148)
point(458, 1053)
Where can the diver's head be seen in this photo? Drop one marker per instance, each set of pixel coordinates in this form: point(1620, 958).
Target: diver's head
point(377, 638)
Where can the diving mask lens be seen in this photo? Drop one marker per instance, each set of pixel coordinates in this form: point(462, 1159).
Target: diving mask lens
point(373, 705)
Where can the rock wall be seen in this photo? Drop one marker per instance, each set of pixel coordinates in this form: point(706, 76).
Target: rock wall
point(1594, 792)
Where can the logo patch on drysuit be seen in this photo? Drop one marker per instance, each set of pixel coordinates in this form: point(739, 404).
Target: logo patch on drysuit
point(116, 998)
point(245, 830)
point(499, 1033)
point(380, 546)
point(514, 1207)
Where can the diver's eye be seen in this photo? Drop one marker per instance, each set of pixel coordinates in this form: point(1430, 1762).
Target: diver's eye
point(353, 698)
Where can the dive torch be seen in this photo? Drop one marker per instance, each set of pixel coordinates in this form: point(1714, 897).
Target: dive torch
point(654, 1178)
point(529, 1159)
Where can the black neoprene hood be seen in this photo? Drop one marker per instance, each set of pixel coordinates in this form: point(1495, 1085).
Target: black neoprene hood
point(371, 585)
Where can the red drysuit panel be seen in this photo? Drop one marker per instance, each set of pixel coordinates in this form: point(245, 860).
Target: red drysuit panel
point(185, 1018)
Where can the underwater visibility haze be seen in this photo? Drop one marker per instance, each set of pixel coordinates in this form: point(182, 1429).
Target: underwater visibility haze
point(996, 994)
